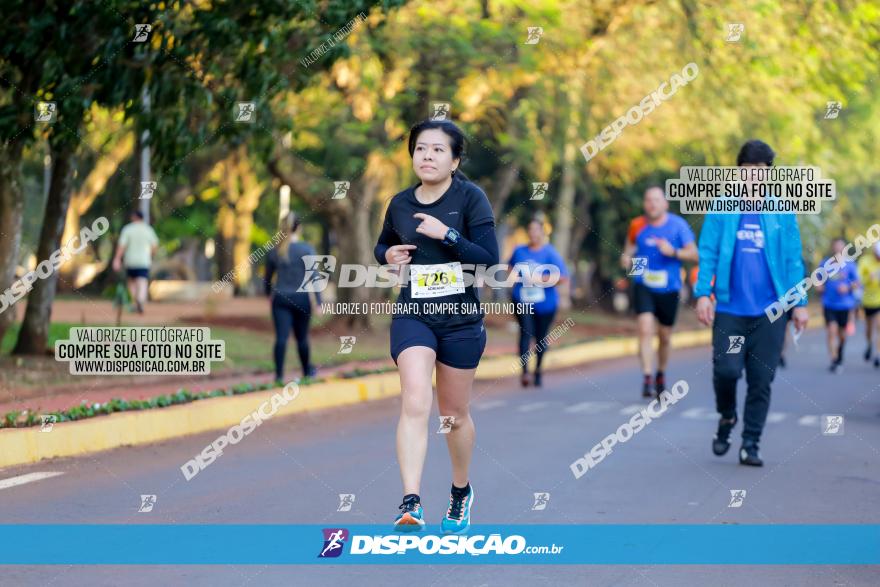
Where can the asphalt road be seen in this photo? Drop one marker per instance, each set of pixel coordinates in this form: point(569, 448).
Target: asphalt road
point(292, 470)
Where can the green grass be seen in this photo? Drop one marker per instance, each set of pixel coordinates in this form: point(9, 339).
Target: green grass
point(57, 331)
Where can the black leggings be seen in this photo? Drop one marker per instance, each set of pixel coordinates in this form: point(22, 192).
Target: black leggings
point(534, 326)
point(287, 314)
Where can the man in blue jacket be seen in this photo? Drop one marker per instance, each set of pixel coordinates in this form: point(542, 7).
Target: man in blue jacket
point(755, 259)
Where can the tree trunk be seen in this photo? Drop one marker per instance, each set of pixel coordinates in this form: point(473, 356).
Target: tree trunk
point(34, 333)
point(11, 210)
point(246, 203)
point(356, 242)
point(226, 222)
point(93, 186)
point(565, 206)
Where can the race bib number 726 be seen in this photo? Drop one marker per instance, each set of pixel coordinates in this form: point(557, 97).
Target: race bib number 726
point(432, 281)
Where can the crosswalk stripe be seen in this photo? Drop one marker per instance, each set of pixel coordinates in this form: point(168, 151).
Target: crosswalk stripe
point(589, 407)
point(699, 414)
point(774, 417)
point(488, 405)
point(631, 409)
point(532, 406)
point(809, 420)
point(27, 478)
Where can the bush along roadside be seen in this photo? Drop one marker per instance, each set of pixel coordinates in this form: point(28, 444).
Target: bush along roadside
point(28, 417)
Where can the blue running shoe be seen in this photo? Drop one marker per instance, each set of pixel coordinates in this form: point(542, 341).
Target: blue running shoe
point(458, 516)
point(411, 517)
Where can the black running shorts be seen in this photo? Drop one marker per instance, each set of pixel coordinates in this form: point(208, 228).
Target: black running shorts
point(459, 346)
point(663, 305)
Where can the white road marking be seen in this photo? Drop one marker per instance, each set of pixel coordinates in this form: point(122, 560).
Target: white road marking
point(488, 405)
point(809, 421)
point(532, 406)
point(589, 407)
point(699, 414)
point(632, 409)
point(774, 417)
point(28, 478)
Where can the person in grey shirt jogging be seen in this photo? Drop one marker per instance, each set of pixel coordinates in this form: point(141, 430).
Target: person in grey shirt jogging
point(291, 306)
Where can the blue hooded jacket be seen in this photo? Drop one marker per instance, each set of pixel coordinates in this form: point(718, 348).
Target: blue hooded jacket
point(782, 248)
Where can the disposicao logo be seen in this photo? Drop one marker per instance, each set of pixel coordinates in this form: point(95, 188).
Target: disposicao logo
point(334, 540)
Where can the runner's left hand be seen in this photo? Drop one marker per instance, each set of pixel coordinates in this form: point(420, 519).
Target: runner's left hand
point(799, 317)
point(431, 227)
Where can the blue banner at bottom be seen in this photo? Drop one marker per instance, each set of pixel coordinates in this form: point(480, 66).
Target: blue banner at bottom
point(171, 544)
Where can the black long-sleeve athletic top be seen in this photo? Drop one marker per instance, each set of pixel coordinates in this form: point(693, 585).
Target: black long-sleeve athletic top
point(464, 207)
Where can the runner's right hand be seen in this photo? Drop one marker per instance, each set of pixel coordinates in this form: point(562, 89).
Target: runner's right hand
point(705, 310)
point(399, 254)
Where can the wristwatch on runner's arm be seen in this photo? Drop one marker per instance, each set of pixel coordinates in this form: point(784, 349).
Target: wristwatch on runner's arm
point(451, 237)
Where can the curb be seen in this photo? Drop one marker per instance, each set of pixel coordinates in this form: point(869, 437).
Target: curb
point(66, 439)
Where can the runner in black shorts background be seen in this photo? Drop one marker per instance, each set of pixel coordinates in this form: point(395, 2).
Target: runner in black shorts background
point(838, 301)
point(656, 244)
point(432, 230)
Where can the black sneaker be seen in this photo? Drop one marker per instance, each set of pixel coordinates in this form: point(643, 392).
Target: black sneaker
point(834, 367)
point(721, 442)
point(877, 362)
point(748, 455)
point(659, 383)
point(537, 380)
point(868, 354)
point(646, 387)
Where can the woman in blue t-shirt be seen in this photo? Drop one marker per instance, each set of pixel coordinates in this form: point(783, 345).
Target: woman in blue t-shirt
point(534, 263)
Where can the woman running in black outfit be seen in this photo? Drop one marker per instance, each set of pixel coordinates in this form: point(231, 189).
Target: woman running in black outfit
point(436, 227)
